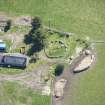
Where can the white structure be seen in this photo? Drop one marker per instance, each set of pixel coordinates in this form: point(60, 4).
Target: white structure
point(59, 88)
point(85, 63)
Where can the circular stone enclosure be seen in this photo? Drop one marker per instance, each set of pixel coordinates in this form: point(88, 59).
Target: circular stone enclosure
point(56, 49)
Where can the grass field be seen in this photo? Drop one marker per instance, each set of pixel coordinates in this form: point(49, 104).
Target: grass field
point(89, 88)
point(14, 94)
point(82, 17)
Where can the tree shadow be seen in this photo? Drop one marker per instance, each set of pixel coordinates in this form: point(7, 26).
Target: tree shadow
point(36, 23)
point(27, 39)
point(36, 47)
point(8, 26)
point(59, 69)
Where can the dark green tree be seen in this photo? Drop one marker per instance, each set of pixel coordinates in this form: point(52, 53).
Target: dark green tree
point(35, 37)
point(36, 23)
point(59, 69)
point(8, 26)
point(37, 43)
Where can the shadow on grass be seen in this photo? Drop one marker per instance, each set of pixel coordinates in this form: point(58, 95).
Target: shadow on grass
point(12, 67)
point(8, 26)
point(59, 69)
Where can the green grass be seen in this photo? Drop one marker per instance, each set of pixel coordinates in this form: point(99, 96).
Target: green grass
point(82, 17)
point(57, 52)
point(14, 94)
point(8, 45)
point(56, 49)
point(89, 89)
point(33, 66)
point(20, 29)
point(12, 71)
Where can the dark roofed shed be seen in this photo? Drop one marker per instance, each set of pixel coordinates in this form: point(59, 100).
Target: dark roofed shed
point(15, 61)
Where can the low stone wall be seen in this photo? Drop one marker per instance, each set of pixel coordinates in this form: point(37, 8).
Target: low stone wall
point(60, 32)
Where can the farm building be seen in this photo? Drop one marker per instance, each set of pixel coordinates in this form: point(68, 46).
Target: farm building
point(16, 60)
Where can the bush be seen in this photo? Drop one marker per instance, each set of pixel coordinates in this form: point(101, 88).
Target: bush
point(59, 69)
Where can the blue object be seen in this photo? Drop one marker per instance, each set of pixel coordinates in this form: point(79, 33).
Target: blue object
point(2, 46)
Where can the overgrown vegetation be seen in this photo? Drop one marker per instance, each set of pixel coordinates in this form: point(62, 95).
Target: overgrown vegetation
point(59, 70)
point(35, 37)
point(56, 70)
point(58, 46)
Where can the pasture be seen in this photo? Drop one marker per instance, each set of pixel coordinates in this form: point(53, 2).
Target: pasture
point(82, 17)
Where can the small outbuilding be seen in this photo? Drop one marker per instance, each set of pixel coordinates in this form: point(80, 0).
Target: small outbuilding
point(16, 60)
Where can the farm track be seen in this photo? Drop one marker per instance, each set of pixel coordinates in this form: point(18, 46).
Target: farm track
point(69, 76)
point(29, 79)
point(71, 79)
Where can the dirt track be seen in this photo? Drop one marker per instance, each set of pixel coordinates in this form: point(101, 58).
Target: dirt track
point(69, 76)
point(71, 79)
point(30, 79)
